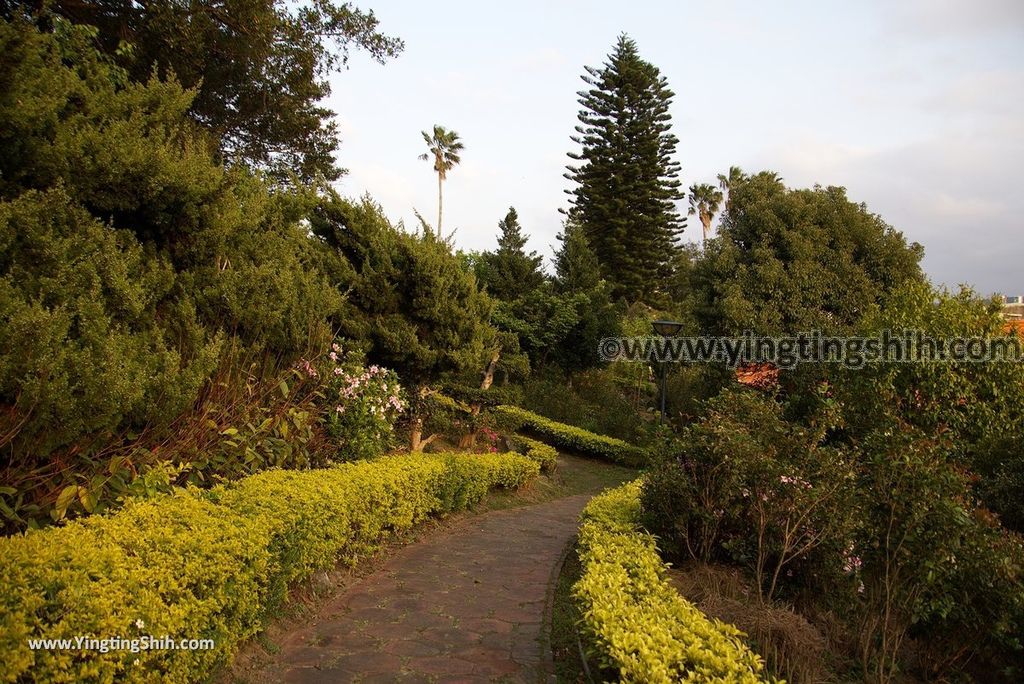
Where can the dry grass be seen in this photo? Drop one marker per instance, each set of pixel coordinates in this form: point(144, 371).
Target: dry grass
point(792, 647)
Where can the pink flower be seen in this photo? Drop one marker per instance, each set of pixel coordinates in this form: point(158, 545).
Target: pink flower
point(308, 368)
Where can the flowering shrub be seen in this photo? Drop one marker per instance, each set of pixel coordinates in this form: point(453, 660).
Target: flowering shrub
point(883, 533)
point(363, 404)
point(491, 438)
point(749, 487)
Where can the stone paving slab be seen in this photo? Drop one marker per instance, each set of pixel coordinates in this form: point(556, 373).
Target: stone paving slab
point(466, 605)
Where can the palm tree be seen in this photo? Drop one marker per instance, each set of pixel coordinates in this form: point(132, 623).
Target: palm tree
point(704, 201)
point(443, 147)
point(730, 181)
point(735, 176)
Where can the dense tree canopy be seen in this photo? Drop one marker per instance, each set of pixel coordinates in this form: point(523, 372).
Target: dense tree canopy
point(129, 256)
point(576, 267)
point(412, 301)
point(789, 261)
point(626, 177)
point(510, 271)
point(260, 67)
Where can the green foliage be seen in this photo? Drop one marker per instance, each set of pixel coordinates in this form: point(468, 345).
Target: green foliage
point(598, 400)
point(789, 261)
point(133, 268)
point(261, 96)
point(941, 571)
point(541, 319)
point(540, 452)
point(570, 437)
point(509, 272)
point(212, 564)
point(978, 406)
point(704, 202)
point(999, 459)
point(641, 627)
point(576, 265)
point(83, 351)
point(878, 525)
point(413, 302)
point(443, 149)
point(626, 180)
point(751, 487)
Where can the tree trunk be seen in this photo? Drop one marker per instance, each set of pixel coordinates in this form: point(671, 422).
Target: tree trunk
point(468, 441)
point(705, 221)
point(416, 434)
point(416, 441)
point(488, 379)
point(440, 179)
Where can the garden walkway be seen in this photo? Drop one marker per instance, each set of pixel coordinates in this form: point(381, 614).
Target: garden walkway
point(464, 605)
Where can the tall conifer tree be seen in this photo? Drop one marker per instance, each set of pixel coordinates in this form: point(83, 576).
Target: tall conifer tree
point(626, 178)
point(511, 271)
point(576, 267)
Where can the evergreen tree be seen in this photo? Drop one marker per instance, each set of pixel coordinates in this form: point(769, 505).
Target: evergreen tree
point(133, 266)
point(788, 261)
point(576, 267)
point(626, 179)
point(414, 305)
point(510, 272)
point(260, 68)
point(578, 280)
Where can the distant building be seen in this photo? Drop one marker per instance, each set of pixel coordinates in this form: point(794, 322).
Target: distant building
point(764, 376)
point(1013, 312)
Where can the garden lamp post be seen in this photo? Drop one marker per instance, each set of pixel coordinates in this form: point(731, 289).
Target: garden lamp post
point(666, 329)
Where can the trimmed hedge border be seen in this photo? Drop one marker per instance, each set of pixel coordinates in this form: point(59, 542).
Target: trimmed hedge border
point(212, 564)
point(546, 456)
point(640, 625)
point(570, 437)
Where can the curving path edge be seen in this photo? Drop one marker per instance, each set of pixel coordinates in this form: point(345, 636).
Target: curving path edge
point(466, 605)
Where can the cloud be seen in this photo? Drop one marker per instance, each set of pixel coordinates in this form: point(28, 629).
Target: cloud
point(954, 18)
point(956, 195)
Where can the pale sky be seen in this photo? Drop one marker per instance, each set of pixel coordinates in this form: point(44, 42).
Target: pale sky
point(915, 106)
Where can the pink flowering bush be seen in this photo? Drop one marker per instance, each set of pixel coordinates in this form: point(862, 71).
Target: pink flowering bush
point(490, 438)
point(362, 404)
point(748, 487)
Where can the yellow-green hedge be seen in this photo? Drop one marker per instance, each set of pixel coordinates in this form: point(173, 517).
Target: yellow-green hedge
point(641, 627)
point(570, 437)
point(540, 452)
point(212, 564)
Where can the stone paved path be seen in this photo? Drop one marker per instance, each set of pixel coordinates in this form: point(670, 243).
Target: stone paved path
point(465, 606)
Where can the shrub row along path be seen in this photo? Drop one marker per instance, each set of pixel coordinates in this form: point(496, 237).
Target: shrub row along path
point(466, 604)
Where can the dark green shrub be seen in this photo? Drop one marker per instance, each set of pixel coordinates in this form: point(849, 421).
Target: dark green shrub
point(747, 486)
point(91, 339)
point(934, 569)
point(598, 400)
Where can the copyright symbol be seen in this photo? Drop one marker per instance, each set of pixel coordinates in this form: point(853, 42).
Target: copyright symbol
point(609, 349)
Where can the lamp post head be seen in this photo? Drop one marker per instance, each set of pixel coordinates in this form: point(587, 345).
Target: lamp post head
point(666, 328)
